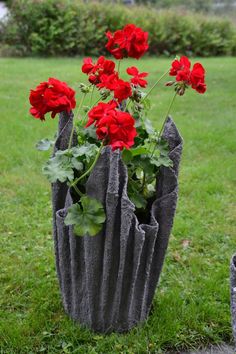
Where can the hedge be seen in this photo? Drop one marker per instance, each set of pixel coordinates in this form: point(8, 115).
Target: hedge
point(71, 27)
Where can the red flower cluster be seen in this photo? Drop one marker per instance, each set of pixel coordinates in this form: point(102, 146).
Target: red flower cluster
point(52, 96)
point(137, 79)
point(100, 111)
point(194, 78)
point(113, 126)
point(103, 75)
point(94, 71)
point(122, 89)
point(131, 41)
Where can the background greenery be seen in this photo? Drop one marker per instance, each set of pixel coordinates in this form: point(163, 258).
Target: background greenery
point(208, 6)
point(72, 27)
point(191, 306)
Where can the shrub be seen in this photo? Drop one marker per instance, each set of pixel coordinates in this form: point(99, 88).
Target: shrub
point(71, 27)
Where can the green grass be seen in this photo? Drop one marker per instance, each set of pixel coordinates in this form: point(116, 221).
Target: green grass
point(191, 306)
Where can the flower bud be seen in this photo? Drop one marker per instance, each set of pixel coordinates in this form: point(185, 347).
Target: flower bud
point(104, 93)
point(84, 88)
point(180, 91)
point(137, 95)
point(86, 109)
point(169, 83)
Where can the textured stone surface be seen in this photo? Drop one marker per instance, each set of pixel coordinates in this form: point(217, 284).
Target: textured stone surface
point(233, 294)
point(108, 281)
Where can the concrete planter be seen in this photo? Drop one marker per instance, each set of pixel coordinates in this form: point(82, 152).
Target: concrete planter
point(108, 281)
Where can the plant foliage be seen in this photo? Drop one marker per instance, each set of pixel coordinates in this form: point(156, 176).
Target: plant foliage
point(86, 216)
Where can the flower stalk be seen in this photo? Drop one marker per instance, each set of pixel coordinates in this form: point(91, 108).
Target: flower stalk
point(167, 114)
point(73, 184)
point(77, 115)
point(155, 84)
point(164, 122)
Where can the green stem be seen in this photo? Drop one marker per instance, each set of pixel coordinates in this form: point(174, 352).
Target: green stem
point(129, 100)
point(83, 119)
point(144, 181)
point(157, 82)
point(118, 67)
point(99, 99)
point(167, 114)
point(77, 115)
point(161, 130)
point(71, 135)
point(78, 191)
point(90, 168)
point(91, 97)
point(81, 103)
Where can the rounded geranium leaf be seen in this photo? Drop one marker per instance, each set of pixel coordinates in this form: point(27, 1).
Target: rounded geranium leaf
point(44, 144)
point(87, 217)
point(59, 168)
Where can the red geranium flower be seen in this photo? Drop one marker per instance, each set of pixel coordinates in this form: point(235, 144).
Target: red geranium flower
point(118, 129)
point(187, 77)
point(94, 71)
point(197, 78)
point(108, 81)
point(87, 66)
point(52, 96)
point(137, 79)
point(178, 65)
point(122, 89)
point(100, 111)
point(184, 76)
point(113, 126)
point(131, 41)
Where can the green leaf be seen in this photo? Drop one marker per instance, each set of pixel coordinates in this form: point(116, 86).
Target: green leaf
point(163, 147)
point(88, 150)
point(136, 115)
point(87, 218)
point(139, 173)
point(135, 195)
point(161, 161)
point(151, 188)
point(127, 155)
point(59, 168)
point(155, 161)
point(138, 200)
point(77, 164)
point(149, 127)
point(44, 144)
point(145, 163)
point(166, 161)
point(91, 132)
point(138, 123)
point(140, 150)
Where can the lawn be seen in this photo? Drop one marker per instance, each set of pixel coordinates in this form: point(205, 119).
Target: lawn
point(191, 306)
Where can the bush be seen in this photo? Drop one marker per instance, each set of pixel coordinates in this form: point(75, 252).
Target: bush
point(71, 27)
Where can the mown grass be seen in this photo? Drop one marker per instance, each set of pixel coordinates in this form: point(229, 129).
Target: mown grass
point(191, 306)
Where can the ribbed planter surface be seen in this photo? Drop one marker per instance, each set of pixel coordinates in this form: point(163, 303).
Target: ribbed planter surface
point(108, 281)
point(233, 295)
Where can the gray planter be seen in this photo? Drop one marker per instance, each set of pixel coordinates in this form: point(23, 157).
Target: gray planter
point(233, 294)
point(108, 281)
